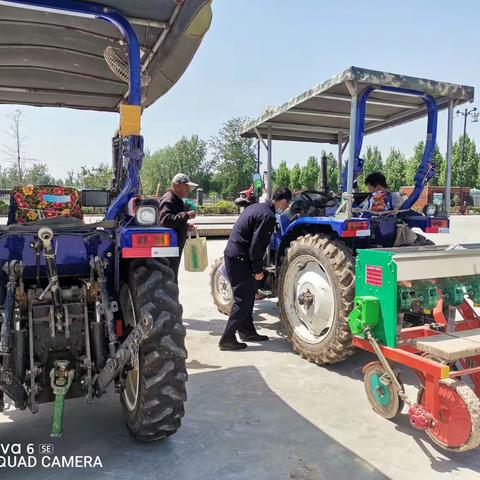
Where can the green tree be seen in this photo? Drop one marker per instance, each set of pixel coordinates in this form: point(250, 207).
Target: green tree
point(39, 174)
point(96, 177)
point(73, 179)
point(395, 167)
point(440, 165)
point(295, 180)
point(332, 172)
point(234, 158)
point(413, 163)
point(283, 175)
point(11, 177)
point(465, 173)
point(372, 162)
point(188, 155)
point(310, 173)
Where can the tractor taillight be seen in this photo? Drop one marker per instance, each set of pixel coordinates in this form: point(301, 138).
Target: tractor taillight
point(356, 229)
point(438, 225)
point(150, 240)
point(356, 226)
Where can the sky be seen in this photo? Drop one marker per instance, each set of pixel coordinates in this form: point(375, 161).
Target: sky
point(262, 53)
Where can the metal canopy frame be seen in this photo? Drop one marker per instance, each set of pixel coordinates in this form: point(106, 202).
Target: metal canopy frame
point(327, 113)
point(49, 59)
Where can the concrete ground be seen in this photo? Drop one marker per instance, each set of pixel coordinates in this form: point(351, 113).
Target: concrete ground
point(263, 413)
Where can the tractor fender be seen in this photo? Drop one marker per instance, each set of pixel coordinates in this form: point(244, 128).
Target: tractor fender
point(305, 225)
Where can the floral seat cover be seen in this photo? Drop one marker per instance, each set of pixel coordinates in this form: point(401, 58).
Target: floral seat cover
point(35, 202)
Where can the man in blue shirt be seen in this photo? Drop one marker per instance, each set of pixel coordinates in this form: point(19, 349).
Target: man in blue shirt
point(244, 265)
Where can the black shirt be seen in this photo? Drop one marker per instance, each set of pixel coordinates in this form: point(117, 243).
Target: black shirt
point(251, 234)
point(172, 214)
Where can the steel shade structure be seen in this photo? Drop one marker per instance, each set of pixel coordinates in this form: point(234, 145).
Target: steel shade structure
point(327, 113)
point(50, 59)
point(319, 114)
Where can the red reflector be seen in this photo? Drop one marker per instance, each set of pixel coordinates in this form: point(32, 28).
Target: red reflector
point(354, 226)
point(439, 223)
point(119, 328)
point(150, 240)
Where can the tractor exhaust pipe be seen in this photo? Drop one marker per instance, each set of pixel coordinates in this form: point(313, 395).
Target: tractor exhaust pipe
point(323, 173)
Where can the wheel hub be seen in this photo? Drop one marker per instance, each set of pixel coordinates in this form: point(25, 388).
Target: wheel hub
point(315, 302)
point(310, 298)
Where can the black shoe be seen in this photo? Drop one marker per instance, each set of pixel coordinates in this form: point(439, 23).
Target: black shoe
point(231, 345)
point(253, 337)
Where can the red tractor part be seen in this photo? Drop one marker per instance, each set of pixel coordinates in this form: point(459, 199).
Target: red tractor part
point(420, 417)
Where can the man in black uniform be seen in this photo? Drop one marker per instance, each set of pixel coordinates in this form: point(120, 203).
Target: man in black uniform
point(172, 214)
point(244, 265)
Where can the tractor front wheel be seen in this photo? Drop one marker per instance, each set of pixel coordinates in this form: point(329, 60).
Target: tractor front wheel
point(316, 291)
point(154, 394)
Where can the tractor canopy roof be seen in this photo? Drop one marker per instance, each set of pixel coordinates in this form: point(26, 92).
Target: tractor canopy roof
point(319, 114)
point(51, 59)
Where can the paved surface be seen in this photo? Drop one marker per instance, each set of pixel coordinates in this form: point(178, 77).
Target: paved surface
point(263, 413)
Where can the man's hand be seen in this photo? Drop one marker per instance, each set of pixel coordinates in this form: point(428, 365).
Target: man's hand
point(190, 227)
point(259, 276)
point(191, 214)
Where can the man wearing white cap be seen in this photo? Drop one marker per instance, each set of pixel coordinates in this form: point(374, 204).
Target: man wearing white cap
point(172, 214)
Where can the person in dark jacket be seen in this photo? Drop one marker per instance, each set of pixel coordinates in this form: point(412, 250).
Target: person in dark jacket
point(172, 214)
point(244, 266)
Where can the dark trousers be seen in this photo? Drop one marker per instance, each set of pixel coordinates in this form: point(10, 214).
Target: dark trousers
point(243, 284)
point(174, 263)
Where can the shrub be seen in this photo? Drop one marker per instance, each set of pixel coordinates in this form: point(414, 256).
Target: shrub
point(226, 208)
point(223, 207)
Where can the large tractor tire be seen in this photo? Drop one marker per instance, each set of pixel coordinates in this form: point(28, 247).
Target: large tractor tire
point(316, 291)
point(154, 394)
point(220, 288)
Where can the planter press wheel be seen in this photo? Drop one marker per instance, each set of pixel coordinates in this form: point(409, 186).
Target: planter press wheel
point(382, 395)
point(458, 428)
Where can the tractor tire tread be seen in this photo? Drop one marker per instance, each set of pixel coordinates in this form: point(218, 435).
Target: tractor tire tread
point(341, 259)
point(162, 355)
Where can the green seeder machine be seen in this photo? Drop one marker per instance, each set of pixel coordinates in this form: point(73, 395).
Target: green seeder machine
point(416, 307)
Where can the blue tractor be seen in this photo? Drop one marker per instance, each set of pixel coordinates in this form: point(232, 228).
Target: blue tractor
point(311, 260)
point(86, 305)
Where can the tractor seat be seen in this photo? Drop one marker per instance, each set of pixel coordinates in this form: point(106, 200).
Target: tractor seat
point(41, 203)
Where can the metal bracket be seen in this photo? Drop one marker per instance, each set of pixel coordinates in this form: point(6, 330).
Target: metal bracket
point(392, 377)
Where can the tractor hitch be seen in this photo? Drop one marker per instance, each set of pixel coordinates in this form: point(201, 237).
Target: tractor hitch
point(61, 379)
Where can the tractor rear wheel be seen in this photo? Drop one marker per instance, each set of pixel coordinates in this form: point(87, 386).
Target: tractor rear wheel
point(154, 394)
point(220, 288)
point(316, 291)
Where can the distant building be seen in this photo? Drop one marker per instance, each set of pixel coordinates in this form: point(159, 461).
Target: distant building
point(433, 194)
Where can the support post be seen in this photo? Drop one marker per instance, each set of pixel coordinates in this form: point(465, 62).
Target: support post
point(351, 159)
point(269, 163)
point(340, 166)
point(448, 169)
